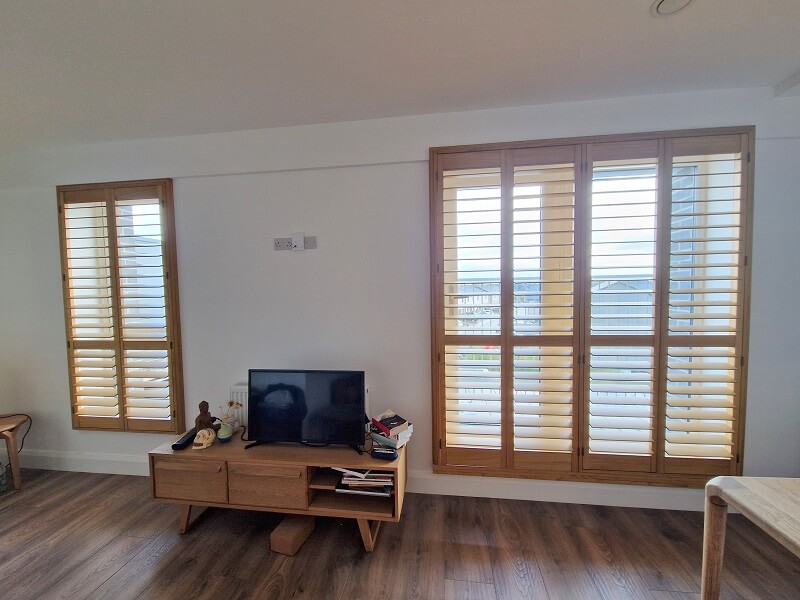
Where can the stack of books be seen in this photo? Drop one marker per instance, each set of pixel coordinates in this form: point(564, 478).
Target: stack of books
point(391, 430)
point(365, 483)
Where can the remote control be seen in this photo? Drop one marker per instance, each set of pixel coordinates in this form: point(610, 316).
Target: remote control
point(384, 453)
point(186, 439)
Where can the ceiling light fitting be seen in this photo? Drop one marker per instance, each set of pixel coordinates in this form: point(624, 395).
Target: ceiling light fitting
point(664, 8)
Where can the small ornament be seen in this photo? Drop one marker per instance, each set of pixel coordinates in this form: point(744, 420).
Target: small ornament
point(203, 439)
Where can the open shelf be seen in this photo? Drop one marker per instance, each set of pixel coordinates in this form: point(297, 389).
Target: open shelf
point(325, 479)
point(346, 505)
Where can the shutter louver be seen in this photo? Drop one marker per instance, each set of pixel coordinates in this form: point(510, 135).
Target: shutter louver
point(141, 269)
point(471, 217)
point(623, 247)
point(95, 377)
point(473, 409)
point(147, 389)
point(544, 251)
point(700, 402)
point(621, 408)
point(543, 398)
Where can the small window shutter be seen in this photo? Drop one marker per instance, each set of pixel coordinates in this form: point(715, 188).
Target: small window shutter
point(122, 329)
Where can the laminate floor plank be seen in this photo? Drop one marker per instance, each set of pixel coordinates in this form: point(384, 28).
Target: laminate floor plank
point(648, 543)
point(466, 546)
point(560, 563)
point(469, 590)
point(612, 570)
point(134, 575)
point(101, 537)
point(669, 595)
point(422, 548)
point(515, 569)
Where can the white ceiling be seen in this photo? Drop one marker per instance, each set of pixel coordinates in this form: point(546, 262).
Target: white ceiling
point(100, 70)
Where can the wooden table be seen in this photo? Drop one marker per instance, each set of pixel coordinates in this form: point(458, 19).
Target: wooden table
point(772, 503)
point(8, 430)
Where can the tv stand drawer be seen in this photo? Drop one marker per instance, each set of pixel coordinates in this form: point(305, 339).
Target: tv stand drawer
point(186, 479)
point(268, 485)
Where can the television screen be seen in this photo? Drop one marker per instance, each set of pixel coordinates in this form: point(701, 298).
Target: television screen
point(315, 407)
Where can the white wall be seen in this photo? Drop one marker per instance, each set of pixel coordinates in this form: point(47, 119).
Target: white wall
point(361, 300)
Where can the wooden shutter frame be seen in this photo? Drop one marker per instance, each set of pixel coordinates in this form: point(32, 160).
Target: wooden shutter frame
point(163, 187)
point(440, 161)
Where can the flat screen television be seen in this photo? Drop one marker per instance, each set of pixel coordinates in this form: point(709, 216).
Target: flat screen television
point(310, 407)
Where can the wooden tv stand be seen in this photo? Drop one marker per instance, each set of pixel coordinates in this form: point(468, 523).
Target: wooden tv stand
point(283, 478)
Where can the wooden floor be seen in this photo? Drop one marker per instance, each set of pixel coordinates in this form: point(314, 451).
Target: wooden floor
point(80, 535)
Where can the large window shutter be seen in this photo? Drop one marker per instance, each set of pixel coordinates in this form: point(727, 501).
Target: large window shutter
point(120, 291)
point(590, 306)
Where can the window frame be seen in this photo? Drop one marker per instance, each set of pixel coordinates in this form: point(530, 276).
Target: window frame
point(447, 158)
point(105, 192)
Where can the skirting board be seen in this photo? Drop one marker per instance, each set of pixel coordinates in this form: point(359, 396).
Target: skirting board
point(85, 462)
point(422, 482)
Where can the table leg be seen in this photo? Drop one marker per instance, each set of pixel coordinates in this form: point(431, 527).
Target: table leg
point(185, 521)
point(13, 457)
point(716, 514)
point(369, 532)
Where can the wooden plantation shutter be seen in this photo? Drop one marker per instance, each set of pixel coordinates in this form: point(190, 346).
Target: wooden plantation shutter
point(620, 432)
point(589, 305)
point(542, 340)
point(470, 275)
point(120, 293)
point(705, 324)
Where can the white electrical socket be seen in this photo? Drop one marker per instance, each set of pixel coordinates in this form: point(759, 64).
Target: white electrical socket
point(309, 243)
point(298, 241)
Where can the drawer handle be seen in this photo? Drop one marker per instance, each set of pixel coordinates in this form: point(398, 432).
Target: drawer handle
point(265, 472)
point(198, 468)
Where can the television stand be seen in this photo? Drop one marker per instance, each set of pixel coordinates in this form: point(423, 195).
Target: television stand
point(278, 477)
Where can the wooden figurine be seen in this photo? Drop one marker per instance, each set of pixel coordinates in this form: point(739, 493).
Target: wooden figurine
point(204, 420)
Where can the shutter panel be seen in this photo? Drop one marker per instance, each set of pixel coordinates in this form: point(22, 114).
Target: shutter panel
point(88, 292)
point(620, 412)
point(705, 305)
point(470, 217)
point(543, 274)
point(143, 308)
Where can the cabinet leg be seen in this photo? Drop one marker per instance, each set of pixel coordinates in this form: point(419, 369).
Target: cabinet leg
point(13, 458)
point(716, 515)
point(185, 521)
point(369, 532)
